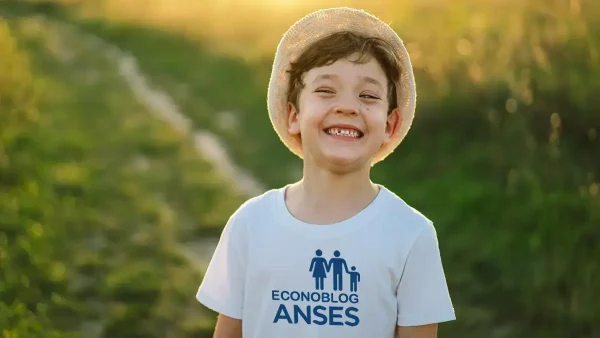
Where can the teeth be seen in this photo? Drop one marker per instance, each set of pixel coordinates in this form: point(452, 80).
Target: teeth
point(343, 132)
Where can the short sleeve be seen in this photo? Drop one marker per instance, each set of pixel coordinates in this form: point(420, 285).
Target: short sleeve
point(422, 294)
point(222, 288)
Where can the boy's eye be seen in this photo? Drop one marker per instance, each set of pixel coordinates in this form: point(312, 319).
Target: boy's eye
point(331, 91)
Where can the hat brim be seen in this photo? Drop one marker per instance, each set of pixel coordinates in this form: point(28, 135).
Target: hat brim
point(315, 26)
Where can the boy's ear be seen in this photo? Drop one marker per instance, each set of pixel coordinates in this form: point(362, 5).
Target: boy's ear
point(293, 122)
point(393, 123)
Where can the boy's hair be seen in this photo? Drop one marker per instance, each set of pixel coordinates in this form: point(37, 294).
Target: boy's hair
point(341, 45)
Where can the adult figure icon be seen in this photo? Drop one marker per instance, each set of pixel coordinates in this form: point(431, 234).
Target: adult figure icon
point(339, 268)
point(319, 268)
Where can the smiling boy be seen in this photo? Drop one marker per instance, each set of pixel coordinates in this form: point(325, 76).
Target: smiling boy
point(341, 97)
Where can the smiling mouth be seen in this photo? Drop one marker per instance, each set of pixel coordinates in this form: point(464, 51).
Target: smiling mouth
point(344, 132)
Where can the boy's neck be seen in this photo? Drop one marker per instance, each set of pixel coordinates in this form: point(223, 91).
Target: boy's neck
point(323, 197)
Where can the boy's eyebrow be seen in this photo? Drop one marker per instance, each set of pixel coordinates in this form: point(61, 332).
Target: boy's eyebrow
point(325, 77)
point(367, 79)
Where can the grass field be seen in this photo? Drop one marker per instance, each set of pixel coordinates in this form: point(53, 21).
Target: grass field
point(117, 189)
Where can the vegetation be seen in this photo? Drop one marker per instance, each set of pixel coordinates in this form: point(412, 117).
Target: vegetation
point(503, 154)
point(95, 198)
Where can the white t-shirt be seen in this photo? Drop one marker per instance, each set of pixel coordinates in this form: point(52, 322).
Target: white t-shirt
point(357, 278)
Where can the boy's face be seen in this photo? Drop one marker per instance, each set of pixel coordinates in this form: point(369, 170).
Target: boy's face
point(341, 115)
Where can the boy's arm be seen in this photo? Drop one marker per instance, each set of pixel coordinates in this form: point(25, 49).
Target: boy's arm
point(423, 331)
point(222, 288)
point(228, 327)
point(422, 293)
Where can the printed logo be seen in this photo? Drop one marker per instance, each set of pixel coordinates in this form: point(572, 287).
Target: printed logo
point(320, 307)
point(320, 267)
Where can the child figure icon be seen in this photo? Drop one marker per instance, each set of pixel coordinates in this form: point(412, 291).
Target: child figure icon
point(354, 279)
point(320, 268)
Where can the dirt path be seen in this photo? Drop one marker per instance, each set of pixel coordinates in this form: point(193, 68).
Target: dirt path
point(164, 107)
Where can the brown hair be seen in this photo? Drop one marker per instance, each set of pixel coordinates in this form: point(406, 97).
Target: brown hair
point(341, 45)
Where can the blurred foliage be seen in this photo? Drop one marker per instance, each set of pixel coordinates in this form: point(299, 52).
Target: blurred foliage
point(503, 154)
point(95, 198)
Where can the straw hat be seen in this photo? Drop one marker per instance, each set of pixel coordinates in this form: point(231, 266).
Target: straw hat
point(315, 26)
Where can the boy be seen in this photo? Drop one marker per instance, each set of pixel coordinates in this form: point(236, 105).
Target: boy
point(342, 97)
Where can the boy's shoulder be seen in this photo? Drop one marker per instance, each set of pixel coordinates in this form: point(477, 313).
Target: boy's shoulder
point(403, 217)
point(257, 205)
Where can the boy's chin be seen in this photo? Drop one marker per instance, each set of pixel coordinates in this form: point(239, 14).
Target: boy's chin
point(340, 162)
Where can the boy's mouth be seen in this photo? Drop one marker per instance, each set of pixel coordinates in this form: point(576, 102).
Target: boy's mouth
point(344, 132)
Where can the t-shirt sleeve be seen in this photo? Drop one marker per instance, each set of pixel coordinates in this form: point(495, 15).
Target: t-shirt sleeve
point(222, 288)
point(422, 294)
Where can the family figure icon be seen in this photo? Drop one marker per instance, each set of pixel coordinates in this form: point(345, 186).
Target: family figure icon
point(320, 268)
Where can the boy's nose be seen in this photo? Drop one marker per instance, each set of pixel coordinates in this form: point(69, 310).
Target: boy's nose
point(346, 110)
point(347, 106)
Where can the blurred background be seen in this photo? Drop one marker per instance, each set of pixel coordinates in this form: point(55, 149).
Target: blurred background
point(131, 129)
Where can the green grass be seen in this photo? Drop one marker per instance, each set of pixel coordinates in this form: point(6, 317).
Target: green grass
point(87, 97)
point(97, 196)
point(206, 84)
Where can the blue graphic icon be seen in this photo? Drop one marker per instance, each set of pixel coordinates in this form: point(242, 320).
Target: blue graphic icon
point(338, 264)
point(354, 279)
point(320, 267)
